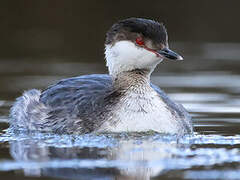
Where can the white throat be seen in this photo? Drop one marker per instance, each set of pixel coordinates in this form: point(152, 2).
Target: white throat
point(126, 56)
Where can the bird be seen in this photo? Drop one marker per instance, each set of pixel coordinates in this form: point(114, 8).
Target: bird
point(124, 100)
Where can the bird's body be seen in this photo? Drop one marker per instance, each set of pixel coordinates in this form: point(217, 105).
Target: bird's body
point(125, 100)
point(91, 103)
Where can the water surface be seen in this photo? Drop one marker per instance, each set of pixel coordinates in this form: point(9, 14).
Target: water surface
point(207, 83)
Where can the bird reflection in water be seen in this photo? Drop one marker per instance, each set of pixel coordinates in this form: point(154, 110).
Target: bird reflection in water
point(126, 158)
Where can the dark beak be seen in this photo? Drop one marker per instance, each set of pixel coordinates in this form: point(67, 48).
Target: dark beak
point(169, 54)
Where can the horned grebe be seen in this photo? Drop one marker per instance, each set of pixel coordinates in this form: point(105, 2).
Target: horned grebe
point(124, 100)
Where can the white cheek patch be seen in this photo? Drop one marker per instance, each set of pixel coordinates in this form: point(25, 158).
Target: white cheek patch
point(126, 56)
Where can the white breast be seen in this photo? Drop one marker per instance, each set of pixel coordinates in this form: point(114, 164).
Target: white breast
point(141, 112)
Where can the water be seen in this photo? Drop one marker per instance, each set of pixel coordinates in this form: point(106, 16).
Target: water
point(207, 83)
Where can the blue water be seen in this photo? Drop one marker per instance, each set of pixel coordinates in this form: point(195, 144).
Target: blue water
point(138, 155)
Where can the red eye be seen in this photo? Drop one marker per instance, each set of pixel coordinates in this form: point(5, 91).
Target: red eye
point(139, 41)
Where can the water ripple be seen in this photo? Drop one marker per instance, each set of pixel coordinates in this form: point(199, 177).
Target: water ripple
point(128, 153)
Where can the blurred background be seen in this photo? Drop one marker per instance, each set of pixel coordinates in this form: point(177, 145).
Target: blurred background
point(68, 28)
